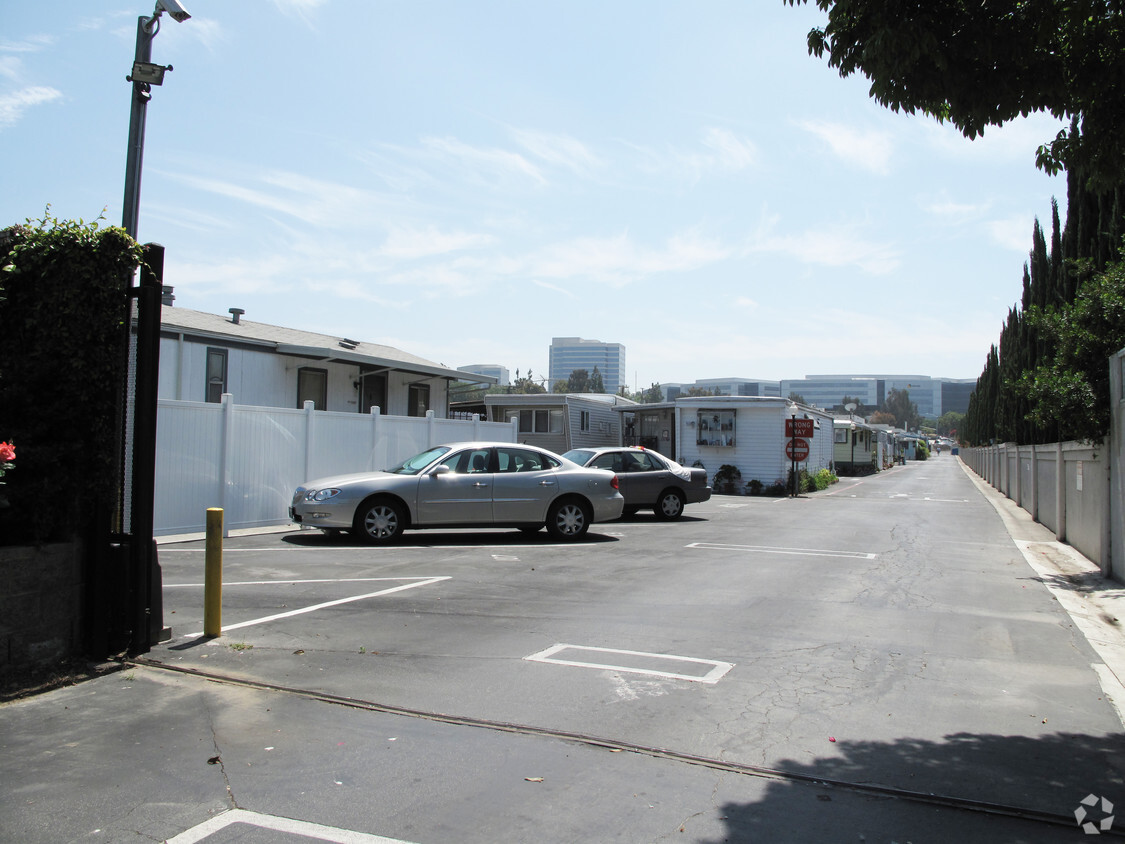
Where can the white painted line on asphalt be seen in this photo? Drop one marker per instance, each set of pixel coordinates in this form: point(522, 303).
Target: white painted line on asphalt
point(845, 488)
point(282, 582)
point(801, 552)
point(718, 668)
point(424, 582)
point(305, 829)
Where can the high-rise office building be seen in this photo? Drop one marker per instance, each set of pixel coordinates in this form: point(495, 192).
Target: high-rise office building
point(570, 353)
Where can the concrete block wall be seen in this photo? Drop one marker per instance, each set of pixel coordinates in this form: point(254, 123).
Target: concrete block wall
point(40, 605)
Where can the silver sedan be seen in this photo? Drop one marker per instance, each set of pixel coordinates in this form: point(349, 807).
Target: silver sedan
point(463, 485)
point(648, 480)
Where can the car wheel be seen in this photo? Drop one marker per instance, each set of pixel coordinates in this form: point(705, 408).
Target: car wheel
point(670, 505)
point(568, 519)
point(379, 522)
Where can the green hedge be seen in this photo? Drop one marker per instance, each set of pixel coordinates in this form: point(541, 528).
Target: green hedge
point(62, 326)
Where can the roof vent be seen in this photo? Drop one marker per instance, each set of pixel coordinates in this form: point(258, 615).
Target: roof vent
point(349, 344)
point(235, 313)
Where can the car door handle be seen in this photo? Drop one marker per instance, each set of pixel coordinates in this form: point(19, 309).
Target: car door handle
point(480, 484)
point(547, 482)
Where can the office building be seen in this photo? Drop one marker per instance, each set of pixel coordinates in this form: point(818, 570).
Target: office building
point(570, 353)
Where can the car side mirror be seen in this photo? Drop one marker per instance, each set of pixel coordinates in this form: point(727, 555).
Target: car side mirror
point(440, 470)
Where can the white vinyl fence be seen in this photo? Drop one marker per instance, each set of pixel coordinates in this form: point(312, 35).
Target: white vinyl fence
point(1076, 489)
point(1064, 486)
point(248, 460)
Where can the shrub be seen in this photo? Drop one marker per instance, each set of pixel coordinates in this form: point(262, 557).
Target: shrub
point(62, 333)
point(754, 487)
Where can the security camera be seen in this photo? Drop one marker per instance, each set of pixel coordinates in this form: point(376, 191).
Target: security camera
point(174, 8)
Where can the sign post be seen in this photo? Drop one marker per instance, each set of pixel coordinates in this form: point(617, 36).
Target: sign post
point(797, 448)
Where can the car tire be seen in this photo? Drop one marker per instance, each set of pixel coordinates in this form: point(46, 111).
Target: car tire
point(568, 519)
point(379, 521)
point(670, 505)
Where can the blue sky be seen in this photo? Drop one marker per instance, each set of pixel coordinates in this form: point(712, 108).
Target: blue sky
point(466, 181)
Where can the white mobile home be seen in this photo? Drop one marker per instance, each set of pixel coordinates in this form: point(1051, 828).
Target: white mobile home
point(559, 422)
point(203, 356)
point(748, 432)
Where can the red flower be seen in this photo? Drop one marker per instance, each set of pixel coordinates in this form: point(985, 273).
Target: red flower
point(7, 452)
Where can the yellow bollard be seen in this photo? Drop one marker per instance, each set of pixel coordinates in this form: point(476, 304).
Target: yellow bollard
point(213, 575)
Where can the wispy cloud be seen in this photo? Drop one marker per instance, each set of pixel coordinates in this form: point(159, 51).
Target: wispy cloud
point(869, 150)
point(555, 288)
point(1012, 233)
point(13, 106)
point(618, 260)
point(719, 151)
point(10, 67)
point(484, 162)
point(302, 9)
point(946, 208)
point(558, 151)
point(31, 44)
point(832, 246)
point(405, 244)
point(315, 202)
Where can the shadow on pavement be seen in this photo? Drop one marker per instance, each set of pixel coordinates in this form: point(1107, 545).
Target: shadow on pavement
point(1030, 790)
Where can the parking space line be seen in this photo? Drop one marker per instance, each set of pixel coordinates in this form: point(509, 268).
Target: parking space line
point(421, 582)
point(801, 552)
point(305, 829)
point(718, 668)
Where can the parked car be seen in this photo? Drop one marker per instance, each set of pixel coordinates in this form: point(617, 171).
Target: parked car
point(648, 479)
point(463, 485)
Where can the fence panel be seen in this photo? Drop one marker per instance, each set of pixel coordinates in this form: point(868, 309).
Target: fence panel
point(248, 460)
point(188, 440)
point(1083, 521)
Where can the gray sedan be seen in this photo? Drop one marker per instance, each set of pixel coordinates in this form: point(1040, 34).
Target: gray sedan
point(463, 485)
point(648, 480)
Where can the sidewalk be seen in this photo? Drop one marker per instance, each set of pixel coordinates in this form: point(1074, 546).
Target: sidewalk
point(1094, 603)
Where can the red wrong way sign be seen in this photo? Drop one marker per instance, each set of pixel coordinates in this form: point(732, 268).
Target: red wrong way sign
point(799, 427)
point(797, 450)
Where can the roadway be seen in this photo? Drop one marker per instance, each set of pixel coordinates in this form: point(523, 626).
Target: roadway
point(880, 661)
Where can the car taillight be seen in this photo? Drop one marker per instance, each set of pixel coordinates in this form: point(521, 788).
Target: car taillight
point(614, 483)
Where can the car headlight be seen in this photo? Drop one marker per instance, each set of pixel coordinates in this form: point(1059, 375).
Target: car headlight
point(321, 494)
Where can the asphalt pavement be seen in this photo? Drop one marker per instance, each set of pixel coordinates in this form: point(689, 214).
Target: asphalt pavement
point(766, 670)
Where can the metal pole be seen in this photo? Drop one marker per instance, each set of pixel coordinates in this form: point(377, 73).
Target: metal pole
point(146, 31)
point(213, 575)
point(147, 600)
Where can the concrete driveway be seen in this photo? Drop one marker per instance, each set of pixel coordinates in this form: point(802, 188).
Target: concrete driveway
point(902, 657)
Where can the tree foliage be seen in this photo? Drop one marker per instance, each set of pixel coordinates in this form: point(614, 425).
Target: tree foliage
point(580, 381)
point(977, 65)
point(1070, 391)
point(905, 412)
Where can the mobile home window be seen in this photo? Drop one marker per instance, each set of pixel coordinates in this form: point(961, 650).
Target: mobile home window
point(312, 385)
point(540, 421)
point(216, 374)
point(842, 436)
point(715, 427)
point(419, 398)
point(585, 421)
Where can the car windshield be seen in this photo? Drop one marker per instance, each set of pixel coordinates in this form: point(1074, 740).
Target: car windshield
point(414, 465)
point(579, 456)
